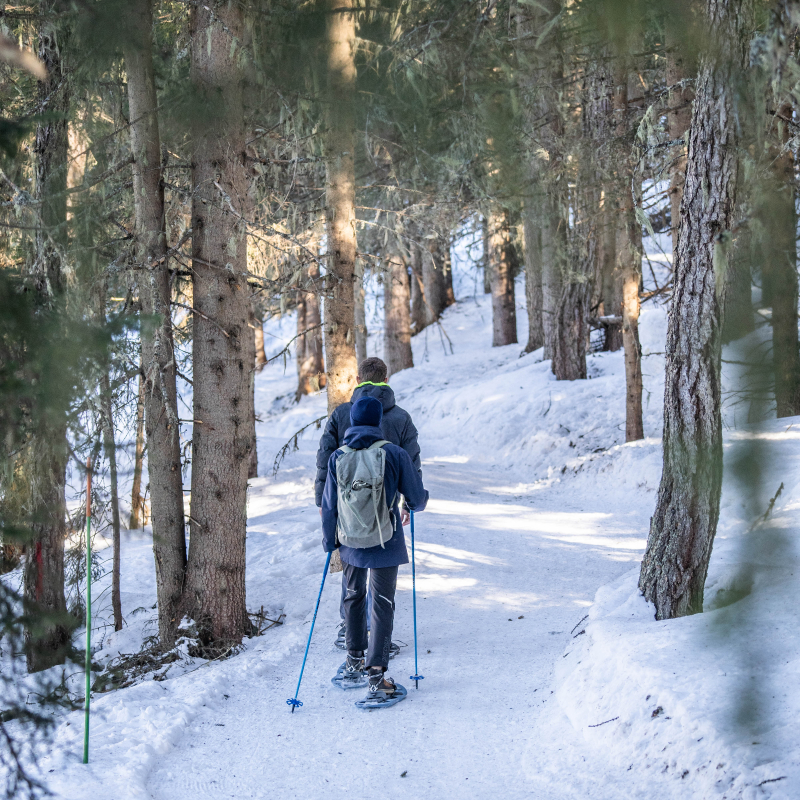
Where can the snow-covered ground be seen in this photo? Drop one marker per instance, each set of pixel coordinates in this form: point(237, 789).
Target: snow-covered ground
point(538, 510)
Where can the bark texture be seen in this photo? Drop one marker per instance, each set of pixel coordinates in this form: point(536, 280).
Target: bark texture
point(110, 448)
point(223, 354)
point(554, 256)
point(435, 270)
point(533, 274)
point(397, 316)
point(570, 329)
point(610, 287)
point(487, 267)
point(252, 360)
point(310, 356)
point(160, 394)
point(679, 116)
point(683, 526)
point(503, 267)
point(47, 638)
point(628, 252)
point(419, 313)
point(340, 333)
point(360, 312)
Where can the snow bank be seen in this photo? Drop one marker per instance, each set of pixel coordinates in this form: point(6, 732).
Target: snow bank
point(711, 699)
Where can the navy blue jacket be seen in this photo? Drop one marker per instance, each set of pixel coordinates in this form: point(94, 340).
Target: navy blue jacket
point(396, 427)
point(399, 476)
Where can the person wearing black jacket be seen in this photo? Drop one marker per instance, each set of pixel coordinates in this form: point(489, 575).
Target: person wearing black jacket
point(396, 426)
point(382, 560)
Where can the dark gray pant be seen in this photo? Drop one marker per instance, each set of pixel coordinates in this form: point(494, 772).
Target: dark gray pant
point(383, 583)
point(344, 594)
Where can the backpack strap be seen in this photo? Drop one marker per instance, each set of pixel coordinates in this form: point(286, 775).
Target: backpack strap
point(376, 445)
point(345, 449)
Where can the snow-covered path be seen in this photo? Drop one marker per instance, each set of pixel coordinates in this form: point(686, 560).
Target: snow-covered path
point(536, 505)
point(502, 580)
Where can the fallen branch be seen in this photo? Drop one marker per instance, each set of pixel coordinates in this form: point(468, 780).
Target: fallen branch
point(773, 780)
point(586, 617)
point(772, 503)
point(604, 723)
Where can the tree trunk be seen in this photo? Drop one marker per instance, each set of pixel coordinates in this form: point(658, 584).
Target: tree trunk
point(418, 300)
point(435, 267)
point(503, 266)
point(258, 335)
point(679, 116)
point(531, 217)
point(397, 315)
point(486, 260)
point(160, 393)
point(110, 447)
point(628, 249)
point(570, 329)
point(685, 520)
point(252, 360)
point(739, 319)
point(610, 286)
point(340, 333)
point(47, 639)
point(303, 378)
point(554, 254)
point(782, 254)
point(360, 313)
point(137, 516)
point(309, 345)
point(222, 350)
point(449, 290)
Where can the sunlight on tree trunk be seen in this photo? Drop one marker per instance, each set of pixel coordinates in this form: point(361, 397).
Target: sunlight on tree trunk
point(340, 330)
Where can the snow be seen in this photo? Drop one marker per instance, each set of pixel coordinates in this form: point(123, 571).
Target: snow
point(531, 627)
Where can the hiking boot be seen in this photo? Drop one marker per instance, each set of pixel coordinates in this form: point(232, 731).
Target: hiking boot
point(341, 637)
point(380, 688)
point(354, 666)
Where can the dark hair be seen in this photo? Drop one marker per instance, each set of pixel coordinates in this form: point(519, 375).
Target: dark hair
point(372, 369)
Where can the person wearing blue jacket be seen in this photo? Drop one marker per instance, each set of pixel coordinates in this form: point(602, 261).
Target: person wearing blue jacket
point(381, 562)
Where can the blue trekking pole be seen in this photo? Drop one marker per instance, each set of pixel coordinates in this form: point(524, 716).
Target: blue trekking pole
point(416, 677)
point(293, 701)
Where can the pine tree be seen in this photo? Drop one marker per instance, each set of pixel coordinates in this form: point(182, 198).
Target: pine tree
point(339, 313)
point(158, 352)
point(222, 342)
point(683, 526)
point(47, 642)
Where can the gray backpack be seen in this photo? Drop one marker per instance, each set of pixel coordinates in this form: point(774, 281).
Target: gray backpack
point(364, 516)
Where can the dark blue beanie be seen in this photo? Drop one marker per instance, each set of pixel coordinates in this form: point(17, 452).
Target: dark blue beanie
point(366, 411)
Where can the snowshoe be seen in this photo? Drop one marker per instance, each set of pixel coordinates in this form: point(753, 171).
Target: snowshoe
point(341, 641)
point(341, 637)
point(382, 693)
point(352, 674)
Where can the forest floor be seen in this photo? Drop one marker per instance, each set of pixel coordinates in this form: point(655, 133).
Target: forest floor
point(536, 504)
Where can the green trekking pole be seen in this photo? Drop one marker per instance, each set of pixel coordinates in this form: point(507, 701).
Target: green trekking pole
point(88, 609)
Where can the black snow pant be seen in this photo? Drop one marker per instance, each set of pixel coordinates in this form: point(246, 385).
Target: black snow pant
point(344, 594)
point(383, 584)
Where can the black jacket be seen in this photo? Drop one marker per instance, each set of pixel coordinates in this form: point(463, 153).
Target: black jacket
point(396, 426)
